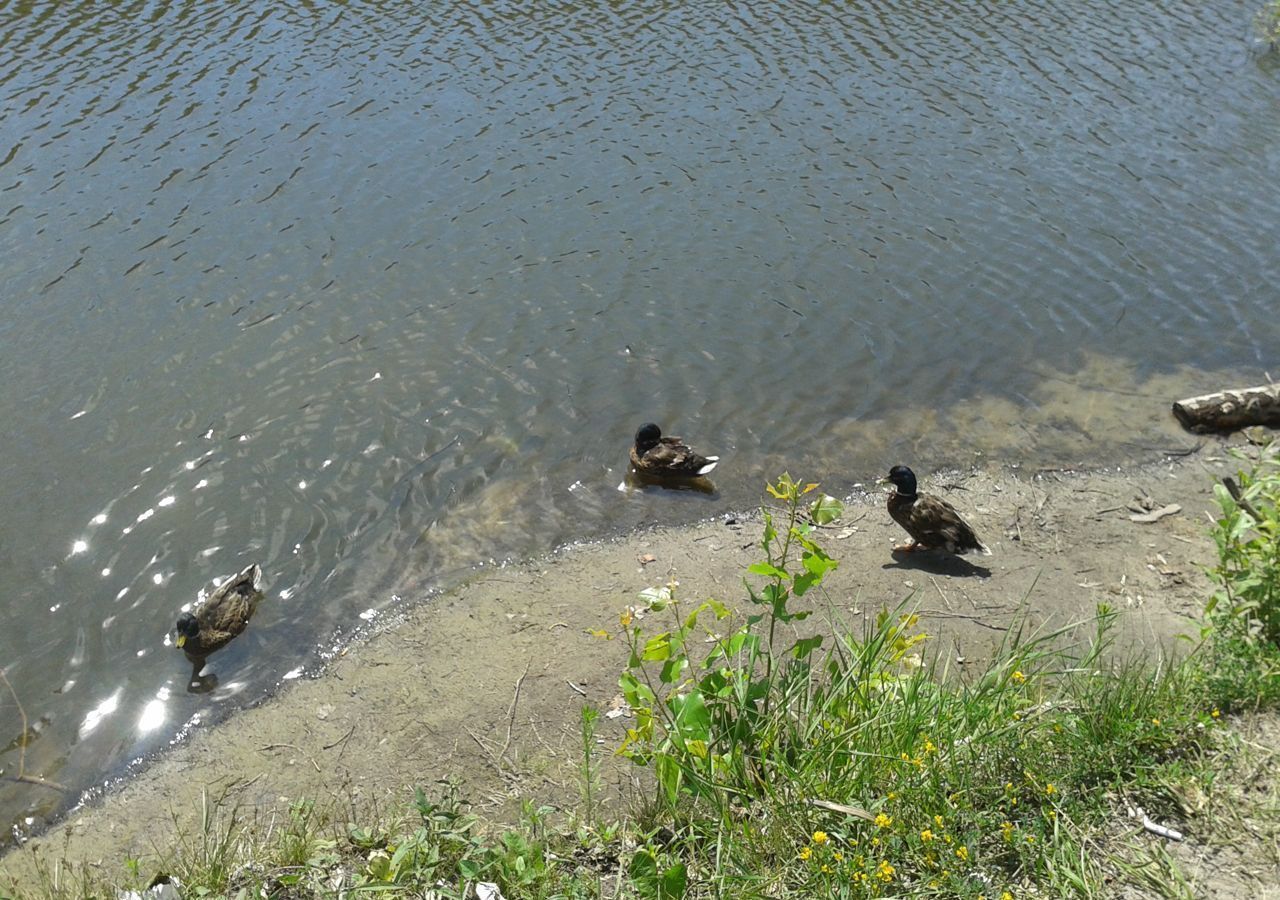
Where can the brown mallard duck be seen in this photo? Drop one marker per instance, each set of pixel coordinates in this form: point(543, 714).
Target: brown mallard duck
point(931, 521)
point(667, 457)
point(222, 616)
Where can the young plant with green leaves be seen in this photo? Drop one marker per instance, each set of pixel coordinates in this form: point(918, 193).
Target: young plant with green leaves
point(707, 724)
point(1247, 601)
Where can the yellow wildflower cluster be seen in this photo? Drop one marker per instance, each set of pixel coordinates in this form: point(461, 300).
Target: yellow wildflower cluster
point(1017, 677)
point(883, 821)
point(885, 872)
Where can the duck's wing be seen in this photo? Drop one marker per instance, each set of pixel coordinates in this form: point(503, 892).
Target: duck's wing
point(940, 525)
point(230, 607)
point(676, 456)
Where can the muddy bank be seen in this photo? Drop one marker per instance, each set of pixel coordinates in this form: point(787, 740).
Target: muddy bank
point(484, 684)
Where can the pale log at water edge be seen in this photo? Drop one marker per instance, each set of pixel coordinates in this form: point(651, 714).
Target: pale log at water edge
point(1229, 410)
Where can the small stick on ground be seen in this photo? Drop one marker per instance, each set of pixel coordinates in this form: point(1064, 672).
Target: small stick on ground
point(511, 714)
point(955, 615)
point(940, 593)
point(341, 740)
point(310, 759)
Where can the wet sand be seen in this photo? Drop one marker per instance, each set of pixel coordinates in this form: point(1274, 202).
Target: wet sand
point(484, 684)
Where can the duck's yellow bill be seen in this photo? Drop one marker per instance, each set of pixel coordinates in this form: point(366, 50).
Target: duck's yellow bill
point(182, 639)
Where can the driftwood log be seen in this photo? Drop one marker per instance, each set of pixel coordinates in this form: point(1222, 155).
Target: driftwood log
point(1229, 410)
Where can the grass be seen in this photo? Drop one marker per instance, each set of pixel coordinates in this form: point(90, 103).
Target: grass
point(835, 763)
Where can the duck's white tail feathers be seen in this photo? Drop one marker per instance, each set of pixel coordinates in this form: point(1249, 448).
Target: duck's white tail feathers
point(984, 549)
point(712, 462)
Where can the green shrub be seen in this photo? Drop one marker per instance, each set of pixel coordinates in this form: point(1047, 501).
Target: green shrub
point(1246, 604)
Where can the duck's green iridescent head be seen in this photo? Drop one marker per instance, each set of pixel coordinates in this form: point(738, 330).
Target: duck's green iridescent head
point(188, 627)
point(903, 479)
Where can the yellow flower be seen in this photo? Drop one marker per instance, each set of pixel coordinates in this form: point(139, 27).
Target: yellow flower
point(885, 872)
point(1006, 896)
point(859, 877)
point(625, 618)
point(892, 795)
point(962, 853)
point(1215, 712)
point(937, 820)
point(806, 852)
point(826, 869)
point(1031, 839)
point(1155, 721)
point(1006, 831)
point(838, 856)
point(820, 837)
point(929, 746)
point(883, 821)
point(1050, 789)
point(1018, 677)
point(926, 835)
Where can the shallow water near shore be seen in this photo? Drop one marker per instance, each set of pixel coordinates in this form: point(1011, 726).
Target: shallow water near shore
point(372, 297)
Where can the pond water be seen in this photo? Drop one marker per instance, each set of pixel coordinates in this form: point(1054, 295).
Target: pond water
point(372, 294)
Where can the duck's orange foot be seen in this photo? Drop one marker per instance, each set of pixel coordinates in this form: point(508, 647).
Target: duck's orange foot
point(908, 548)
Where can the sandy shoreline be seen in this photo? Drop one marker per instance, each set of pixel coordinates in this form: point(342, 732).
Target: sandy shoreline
point(434, 696)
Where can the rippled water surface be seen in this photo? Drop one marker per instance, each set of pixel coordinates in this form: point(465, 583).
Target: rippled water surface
point(371, 294)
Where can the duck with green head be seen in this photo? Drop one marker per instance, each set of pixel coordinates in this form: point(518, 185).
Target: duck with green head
point(931, 521)
point(223, 615)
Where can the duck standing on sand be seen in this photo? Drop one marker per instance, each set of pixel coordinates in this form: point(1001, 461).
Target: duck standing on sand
point(667, 457)
point(221, 617)
point(931, 521)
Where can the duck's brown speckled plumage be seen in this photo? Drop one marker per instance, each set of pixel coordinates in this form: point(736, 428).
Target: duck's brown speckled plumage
point(931, 521)
point(224, 614)
point(667, 456)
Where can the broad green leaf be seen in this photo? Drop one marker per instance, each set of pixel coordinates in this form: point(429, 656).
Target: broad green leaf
point(673, 669)
point(805, 646)
point(674, 883)
point(691, 715)
point(767, 569)
point(825, 510)
point(657, 648)
point(644, 874)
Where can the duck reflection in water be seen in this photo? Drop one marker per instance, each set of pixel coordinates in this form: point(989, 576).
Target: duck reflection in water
point(215, 622)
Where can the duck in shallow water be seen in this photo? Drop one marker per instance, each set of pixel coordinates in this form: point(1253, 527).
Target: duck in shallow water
point(223, 615)
point(667, 457)
point(932, 522)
